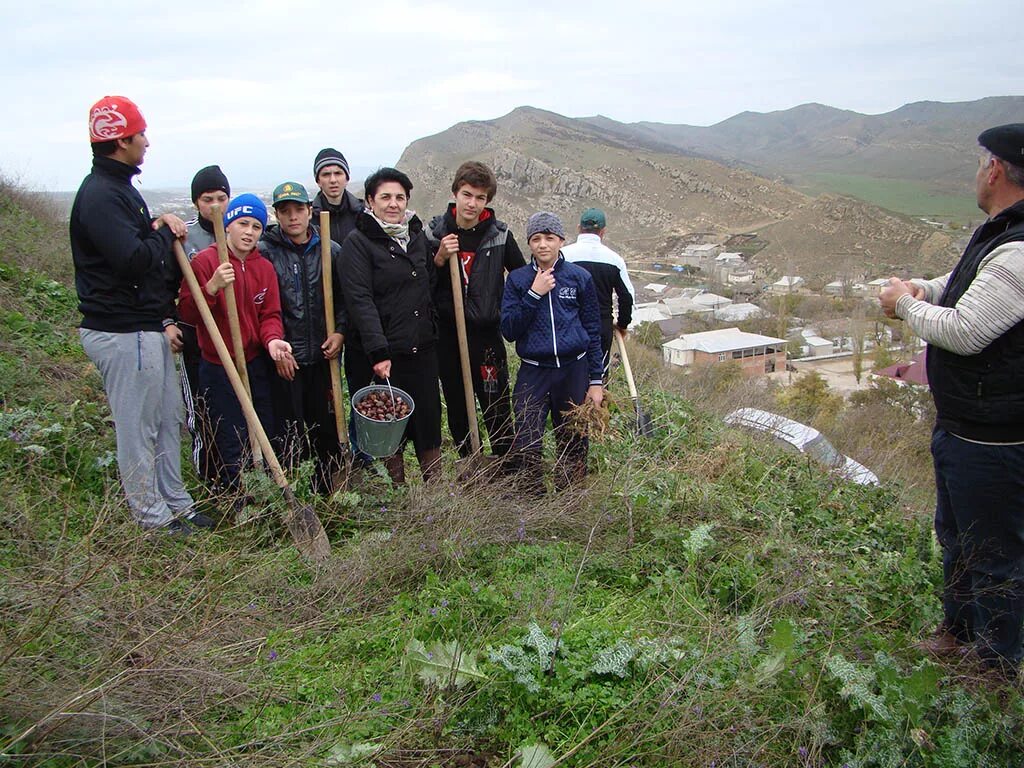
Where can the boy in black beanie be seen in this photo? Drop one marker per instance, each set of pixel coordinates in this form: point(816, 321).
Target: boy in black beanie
point(209, 187)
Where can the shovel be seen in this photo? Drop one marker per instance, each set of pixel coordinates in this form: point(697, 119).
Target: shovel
point(303, 524)
point(476, 462)
point(644, 428)
point(236, 331)
point(340, 477)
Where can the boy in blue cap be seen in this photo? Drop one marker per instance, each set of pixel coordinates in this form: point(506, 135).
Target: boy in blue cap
point(254, 282)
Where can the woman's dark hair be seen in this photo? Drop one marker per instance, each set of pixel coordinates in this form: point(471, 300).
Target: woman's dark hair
point(382, 175)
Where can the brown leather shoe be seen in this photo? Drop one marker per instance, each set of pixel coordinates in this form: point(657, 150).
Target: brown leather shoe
point(942, 644)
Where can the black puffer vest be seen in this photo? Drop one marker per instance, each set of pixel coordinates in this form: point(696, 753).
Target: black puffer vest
point(981, 396)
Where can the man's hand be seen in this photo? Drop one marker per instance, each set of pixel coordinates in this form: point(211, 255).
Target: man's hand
point(544, 282)
point(623, 332)
point(383, 369)
point(595, 393)
point(173, 334)
point(279, 350)
point(449, 247)
point(176, 225)
point(892, 293)
point(221, 278)
point(287, 367)
point(915, 290)
point(332, 347)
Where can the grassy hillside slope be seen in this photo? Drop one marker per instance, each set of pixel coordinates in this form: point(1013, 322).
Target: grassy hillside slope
point(702, 600)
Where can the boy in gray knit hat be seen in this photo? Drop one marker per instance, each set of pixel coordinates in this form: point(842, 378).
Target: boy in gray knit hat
point(550, 311)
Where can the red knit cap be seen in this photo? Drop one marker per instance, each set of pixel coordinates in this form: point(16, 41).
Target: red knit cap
point(114, 117)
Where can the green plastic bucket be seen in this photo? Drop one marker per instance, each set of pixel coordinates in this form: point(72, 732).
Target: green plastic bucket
point(380, 438)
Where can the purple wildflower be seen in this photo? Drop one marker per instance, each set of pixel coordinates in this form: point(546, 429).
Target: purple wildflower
point(376, 698)
point(272, 656)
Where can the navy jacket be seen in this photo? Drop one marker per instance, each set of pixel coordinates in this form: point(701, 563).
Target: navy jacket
point(125, 272)
point(556, 329)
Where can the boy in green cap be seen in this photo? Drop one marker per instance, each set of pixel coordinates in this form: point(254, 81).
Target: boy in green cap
point(304, 426)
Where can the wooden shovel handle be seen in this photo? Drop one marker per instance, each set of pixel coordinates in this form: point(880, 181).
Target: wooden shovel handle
point(460, 332)
point(328, 284)
point(630, 381)
point(251, 419)
point(233, 325)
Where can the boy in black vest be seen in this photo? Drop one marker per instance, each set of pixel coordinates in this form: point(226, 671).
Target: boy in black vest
point(486, 250)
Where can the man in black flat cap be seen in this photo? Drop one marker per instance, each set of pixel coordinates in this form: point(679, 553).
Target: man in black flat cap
point(973, 321)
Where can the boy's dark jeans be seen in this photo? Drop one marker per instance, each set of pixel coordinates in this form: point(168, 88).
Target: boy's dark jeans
point(540, 391)
point(231, 435)
point(486, 357)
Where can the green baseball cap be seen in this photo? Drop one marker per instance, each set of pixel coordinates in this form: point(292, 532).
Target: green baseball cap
point(593, 218)
point(290, 190)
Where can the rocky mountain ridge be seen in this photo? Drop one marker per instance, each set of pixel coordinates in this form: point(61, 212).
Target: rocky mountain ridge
point(657, 196)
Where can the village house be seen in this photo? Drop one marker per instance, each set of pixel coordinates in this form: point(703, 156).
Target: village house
point(786, 284)
point(711, 300)
point(737, 313)
point(755, 353)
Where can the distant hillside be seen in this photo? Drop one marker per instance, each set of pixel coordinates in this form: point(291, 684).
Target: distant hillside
point(820, 147)
point(656, 192)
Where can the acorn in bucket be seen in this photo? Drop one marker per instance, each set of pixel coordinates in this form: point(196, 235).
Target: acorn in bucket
point(379, 406)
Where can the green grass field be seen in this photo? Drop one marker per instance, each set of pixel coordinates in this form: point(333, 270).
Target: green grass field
point(909, 197)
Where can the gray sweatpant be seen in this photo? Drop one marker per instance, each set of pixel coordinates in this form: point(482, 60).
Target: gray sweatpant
point(142, 387)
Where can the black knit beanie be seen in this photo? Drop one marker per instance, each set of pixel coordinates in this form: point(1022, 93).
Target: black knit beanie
point(326, 157)
point(209, 179)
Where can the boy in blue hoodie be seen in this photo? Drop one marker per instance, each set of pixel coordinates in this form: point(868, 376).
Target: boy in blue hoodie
point(549, 310)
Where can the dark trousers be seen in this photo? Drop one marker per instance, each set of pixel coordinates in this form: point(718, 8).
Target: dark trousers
point(204, 452)
point(540, 391)
point(979, 521)
point(305, 426)
point(488, 365)
point(230, 433)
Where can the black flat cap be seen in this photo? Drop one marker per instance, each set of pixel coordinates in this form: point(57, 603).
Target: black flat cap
point(1005, 142)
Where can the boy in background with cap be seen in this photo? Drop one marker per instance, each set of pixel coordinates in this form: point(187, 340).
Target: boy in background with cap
point(470, 231)
point(549, 309)
point(210, 187)
point(302, 387)
point(330, 169)
point(610, 276)
point(123, 271)
point(254, 282)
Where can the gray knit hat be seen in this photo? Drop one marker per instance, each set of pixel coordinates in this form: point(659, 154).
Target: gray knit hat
point(544, 221)
point(327, 157)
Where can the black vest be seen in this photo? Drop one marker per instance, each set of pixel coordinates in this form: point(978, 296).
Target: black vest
point(981, 397)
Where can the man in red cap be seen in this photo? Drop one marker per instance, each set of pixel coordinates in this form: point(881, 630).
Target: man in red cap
point(125, 278)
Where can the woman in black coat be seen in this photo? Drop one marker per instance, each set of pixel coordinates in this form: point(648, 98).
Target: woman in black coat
point(388, 289)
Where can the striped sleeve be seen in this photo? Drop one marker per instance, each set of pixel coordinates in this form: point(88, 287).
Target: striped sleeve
point(992, 304)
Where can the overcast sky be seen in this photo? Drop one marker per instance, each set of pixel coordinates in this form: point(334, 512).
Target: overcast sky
point(259, 87)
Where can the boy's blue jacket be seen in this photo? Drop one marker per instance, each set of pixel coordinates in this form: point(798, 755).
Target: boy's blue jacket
point(557, 329)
